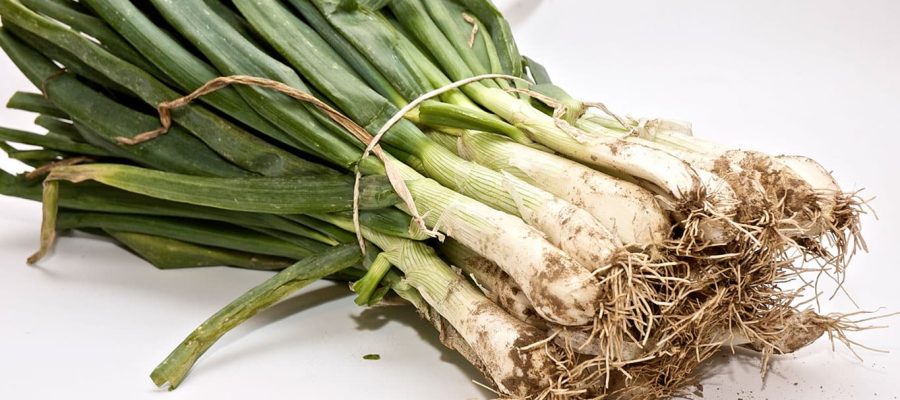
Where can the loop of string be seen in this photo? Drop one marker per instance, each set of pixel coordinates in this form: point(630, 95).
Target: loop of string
point(165, 117)
point(372, 143)
point(602, 107)
point(559, 110)
point(360, 133)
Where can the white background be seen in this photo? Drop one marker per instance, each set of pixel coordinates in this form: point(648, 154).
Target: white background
point(811, 77)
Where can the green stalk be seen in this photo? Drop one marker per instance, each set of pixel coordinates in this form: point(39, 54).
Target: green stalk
point(365, 287)
point(72, 64)
point(483, 46)
point(53, 142)
point(349, 54)
point(536, 71)
point(400, 60)
point(234, 143)
point(177, 151)
point(233, 54)
point(7, 148)
point(326, 229)
point(225, 11)
point(176, 366)
point(89, 196)
point(287, 236)
point(294, 40)
point(36, 103)
point(177, 62)
point(56, 126)
point(413, 16)
point(441, 115)
point(575, 109)
point(408, 49)
point(166, 253)
point(93, 27)
point(366, 31)
point(39, 156)
point(386, 221)
point(501, 34)
point(207, 233)
point(446, 21)
point(288, 195)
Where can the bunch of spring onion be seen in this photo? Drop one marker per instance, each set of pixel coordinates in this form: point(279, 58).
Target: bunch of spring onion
point(407, 147)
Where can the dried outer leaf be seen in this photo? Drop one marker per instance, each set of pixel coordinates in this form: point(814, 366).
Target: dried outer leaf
point(91, 196)
point(216, 234)
point(281, 195)
point(166, 253)
point(237, 145)
point(176, 366)
point(36, 103)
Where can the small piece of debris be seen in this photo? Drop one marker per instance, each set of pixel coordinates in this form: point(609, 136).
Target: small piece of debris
point(373, 357)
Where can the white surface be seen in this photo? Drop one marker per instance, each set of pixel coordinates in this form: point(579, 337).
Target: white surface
point(809, 77)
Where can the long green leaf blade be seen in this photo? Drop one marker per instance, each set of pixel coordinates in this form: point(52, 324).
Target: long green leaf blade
point(36, 103)
point(235, 144)
point(176, 366)
point(207, 233)
point(166, 253)
point(288, 195)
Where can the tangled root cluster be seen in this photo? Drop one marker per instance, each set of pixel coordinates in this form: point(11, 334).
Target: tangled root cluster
point(662, 318)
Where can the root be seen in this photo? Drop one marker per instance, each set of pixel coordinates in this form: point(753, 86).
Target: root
point(697, 308)
point(842, 233)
